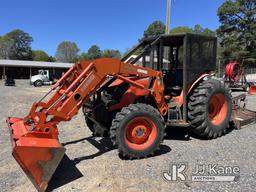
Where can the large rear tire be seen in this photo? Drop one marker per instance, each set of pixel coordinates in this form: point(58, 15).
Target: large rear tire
point(209, 109)
point(137, 130)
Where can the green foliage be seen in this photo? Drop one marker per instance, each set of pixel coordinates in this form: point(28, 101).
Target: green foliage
point(110, 53)
point(237, 32)
point(39, 55)
point(83, 56)
point(157, 28)
point(198, 29)
point(94, 52)
point(6, 46)
point(67, 52)
point(16, 45)
point(21, 45)
point(154, 29)
point(182, 29)
point(52, 59)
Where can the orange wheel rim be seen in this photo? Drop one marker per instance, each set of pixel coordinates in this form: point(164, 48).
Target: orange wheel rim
point(217, 109)
point(140, 133)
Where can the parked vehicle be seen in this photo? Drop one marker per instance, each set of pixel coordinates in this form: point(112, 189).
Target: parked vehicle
point(9, 82)
point(42, 78)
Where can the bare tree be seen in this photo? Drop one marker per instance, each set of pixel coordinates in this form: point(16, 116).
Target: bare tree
point(67, 52)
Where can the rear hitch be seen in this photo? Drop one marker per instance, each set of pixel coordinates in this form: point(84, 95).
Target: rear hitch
point(242, 116)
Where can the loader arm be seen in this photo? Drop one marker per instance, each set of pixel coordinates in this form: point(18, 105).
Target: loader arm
point(35, 138)
point(82, 81)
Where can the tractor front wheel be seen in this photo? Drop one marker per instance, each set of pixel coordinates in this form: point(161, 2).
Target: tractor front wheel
point(137, 130)
point(209, 109)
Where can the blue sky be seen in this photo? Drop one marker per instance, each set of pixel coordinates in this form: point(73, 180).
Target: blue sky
point(115, 24)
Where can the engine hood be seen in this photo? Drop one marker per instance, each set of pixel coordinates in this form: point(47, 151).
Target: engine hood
point(36, 77)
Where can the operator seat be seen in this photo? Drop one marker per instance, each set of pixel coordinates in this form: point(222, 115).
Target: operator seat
point(173, 82)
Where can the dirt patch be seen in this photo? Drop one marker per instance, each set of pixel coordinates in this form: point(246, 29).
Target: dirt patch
point(93, 164)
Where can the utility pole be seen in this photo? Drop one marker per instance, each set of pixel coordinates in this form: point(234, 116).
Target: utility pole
point(167, 26)
point(168, 17)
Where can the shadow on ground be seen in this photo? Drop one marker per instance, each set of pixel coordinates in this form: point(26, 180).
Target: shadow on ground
point(185, 133)
point(103, 145)
point(68, 172)
point(177, 133)
point(64, 174)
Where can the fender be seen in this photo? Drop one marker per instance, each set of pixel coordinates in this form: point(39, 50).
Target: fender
point(179, 99)
point(200, 79)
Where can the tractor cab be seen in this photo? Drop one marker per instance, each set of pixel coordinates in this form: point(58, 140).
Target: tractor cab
point(182, 58)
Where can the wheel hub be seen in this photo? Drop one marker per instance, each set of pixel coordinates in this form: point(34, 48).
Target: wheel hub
point(217, 109)
point(140, 132)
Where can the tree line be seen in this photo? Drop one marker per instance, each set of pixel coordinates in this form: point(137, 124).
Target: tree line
point(69, 52)
point(236, 34)
point(16, 45)
point(236, 38)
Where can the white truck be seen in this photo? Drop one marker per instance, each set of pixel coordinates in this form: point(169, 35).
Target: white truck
point(42, 78)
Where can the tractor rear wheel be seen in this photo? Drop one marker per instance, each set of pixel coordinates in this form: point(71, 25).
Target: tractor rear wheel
point(209, 109)
point(137, 130)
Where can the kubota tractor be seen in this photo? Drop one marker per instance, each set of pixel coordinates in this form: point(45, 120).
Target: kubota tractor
point(133, 100)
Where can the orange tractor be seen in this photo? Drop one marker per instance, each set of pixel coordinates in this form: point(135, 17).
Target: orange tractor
point(133, 100)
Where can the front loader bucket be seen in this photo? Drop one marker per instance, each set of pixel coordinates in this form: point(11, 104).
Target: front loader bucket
point(252, 90)
point(37, 154)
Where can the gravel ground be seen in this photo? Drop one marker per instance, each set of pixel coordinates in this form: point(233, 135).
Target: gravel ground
point(92, 164)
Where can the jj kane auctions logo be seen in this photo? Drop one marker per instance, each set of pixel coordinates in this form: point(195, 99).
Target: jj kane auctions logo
point(178, 172)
